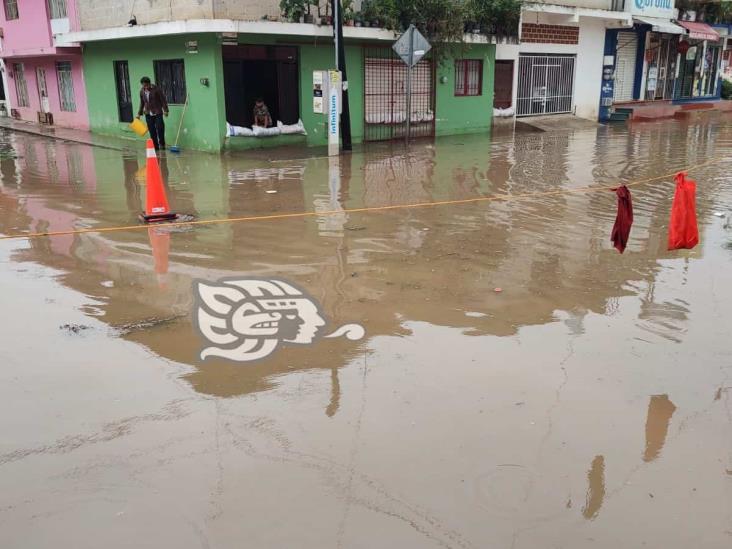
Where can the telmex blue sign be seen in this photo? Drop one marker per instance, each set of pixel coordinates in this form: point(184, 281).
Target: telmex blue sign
point(653, 8)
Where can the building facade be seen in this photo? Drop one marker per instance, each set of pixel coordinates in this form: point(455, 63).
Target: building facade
point(557, 65)
point(222, 56)
point(44, 80)
point(659, 62)
point(597, 59)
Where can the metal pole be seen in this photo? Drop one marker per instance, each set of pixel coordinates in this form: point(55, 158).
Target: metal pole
point(409, 84)
point(336, 10)
point(341, 66)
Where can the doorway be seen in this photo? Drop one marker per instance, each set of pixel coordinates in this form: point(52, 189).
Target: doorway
point(503, 94)
point(625, 56)
point(545, 84)
point(42, 90)
point(266, 72)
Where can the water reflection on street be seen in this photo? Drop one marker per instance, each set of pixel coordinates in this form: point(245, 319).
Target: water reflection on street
point(586, 404)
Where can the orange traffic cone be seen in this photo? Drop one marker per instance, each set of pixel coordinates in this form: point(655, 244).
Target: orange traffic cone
point(160, 244)
point(156, 203)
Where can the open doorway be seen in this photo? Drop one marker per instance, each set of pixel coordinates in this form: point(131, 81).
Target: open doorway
point(267, 72)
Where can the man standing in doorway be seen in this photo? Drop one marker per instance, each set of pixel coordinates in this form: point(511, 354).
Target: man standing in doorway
point(154, 105)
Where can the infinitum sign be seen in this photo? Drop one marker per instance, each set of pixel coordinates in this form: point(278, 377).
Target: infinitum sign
point(334, 107)
point(651, 8)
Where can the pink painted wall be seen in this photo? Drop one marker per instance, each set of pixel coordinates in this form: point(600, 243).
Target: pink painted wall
point(78, 119)
point(28, 40)
point(30, 34)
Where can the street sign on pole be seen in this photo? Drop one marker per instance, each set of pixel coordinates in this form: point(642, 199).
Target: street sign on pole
point(411, 47)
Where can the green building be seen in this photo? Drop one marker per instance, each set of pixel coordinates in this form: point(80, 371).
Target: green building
point(222, 67)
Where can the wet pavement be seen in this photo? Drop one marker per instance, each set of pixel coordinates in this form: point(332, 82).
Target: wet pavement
point(587, 404)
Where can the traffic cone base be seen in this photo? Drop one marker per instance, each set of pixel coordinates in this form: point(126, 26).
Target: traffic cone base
point(156, 203)
point(145, 218)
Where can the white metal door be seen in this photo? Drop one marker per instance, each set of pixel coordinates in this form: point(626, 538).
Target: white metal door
point(42, 89)
point(625, 66)
point(545, 84)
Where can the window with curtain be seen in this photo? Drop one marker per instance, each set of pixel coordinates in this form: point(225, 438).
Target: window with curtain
point(57, 9)
point(65, 86)
point(170, 76)
point(11, 9)
point(21, 88)
point(468, 77)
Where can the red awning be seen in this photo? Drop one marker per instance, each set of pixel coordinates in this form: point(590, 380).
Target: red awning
point(700, 31)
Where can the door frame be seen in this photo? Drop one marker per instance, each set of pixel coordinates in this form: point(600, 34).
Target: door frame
point(44, 100)
point(504, 62)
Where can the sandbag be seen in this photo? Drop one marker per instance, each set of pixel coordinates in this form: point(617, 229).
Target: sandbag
point(288, 129)
point(683, 231)
point(265, 132)
point(238, 131)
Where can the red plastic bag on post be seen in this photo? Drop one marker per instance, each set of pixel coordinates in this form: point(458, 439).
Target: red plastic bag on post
point(682, 230)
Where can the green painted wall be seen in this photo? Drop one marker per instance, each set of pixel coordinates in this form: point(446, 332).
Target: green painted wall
point(203, 126)
point(457, 114)
point(314, 58)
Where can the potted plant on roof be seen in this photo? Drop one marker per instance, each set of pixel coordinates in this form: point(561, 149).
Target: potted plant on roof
point(294, 10)
point(349, 14)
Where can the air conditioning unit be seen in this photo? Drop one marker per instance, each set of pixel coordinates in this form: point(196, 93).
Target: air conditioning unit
point(45, 118)
point(15, 113)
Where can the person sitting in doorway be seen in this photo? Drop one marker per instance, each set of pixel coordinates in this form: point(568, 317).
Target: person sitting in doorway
point(153, 104)
point(261, 114)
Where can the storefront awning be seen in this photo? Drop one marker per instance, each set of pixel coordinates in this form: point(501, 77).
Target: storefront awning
point(659, 25)
point(700, 31)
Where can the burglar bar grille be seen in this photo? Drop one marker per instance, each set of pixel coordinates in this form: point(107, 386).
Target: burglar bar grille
point(545, 84)
point(385, 96)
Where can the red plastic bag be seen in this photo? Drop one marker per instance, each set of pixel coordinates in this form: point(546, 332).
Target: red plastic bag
point(623, 220)
point(682, 230)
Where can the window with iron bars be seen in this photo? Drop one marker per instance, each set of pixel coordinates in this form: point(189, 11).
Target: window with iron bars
point(170, 75)
point(57, 9)
point(21, 88)
point(65, 86)
point(468, 77)
point(11, 9)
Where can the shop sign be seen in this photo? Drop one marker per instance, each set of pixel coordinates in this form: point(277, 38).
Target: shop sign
point(652, 8)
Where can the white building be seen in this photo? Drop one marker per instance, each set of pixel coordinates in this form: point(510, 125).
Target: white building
point(602, 59)
point(557, 66)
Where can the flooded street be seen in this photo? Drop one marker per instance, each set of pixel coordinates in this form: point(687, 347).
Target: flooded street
point(588, 403)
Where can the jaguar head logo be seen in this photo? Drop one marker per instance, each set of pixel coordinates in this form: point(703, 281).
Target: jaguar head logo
point(246, 319)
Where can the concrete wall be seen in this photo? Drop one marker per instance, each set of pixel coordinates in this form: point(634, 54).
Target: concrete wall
point(100, 14)
point(588, 73)
point(245, 10)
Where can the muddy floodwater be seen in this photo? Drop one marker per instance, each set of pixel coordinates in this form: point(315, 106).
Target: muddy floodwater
point(588, 403)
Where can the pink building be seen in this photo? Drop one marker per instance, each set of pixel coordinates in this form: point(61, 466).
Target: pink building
point(45, 82)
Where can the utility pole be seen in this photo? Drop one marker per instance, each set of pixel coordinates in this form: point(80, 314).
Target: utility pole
point(340, 58)
point(410, 63)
